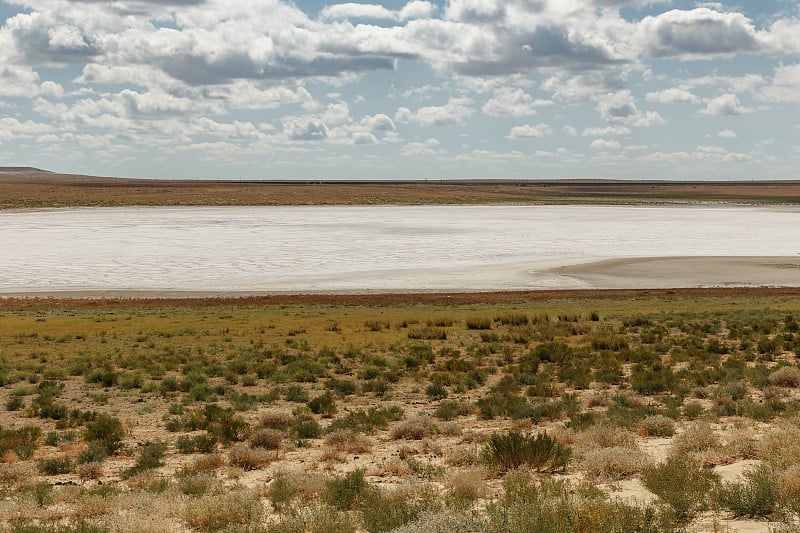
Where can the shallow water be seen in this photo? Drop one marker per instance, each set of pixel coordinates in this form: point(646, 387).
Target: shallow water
point(363, 248)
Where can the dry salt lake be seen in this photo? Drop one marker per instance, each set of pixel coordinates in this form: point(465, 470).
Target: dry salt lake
point(210, 250)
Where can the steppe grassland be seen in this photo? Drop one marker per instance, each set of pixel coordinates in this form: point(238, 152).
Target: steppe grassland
point(628, 413)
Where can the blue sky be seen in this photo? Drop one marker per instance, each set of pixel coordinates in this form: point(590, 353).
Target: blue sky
point(228, 89)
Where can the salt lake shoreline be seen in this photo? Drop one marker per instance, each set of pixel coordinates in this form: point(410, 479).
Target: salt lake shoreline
point(604, 276)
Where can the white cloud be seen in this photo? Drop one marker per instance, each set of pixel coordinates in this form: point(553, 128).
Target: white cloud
point(508, 102)
point(726, 104)
point(607, 131)
point(697, 33)
point(727, 134)
point(352, 10)
point(453, 113)
point(785, 85)
point(604, 144)
point(672, 96)
point(305, 129)
point(527, 131)
point(620, 107)
point(420, 148)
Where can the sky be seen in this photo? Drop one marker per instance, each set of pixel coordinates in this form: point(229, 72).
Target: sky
point(445, 89)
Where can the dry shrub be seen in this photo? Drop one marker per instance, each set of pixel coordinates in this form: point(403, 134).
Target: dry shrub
point(414, 429)
point(16, 473)
point(780, 446)
point(348, 441)
point(468, 484)
point(787, 376)
point(698, 437)
point(450, 429)
point(280, 420)
point(87, 471)
point(269, 439)
point(612, 463)
point(605, 437)
point(657, 426)
point(249, 458)
point(395, 467)
point(200, 484)
point(463, 457)
point(332, 454)
point(223, 511)
point(206, 463)
point(789, 483)
point(597, 400)
point(741, 445)
point(94, 505)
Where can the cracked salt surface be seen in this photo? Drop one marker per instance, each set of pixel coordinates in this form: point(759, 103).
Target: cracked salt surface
point(345, 248)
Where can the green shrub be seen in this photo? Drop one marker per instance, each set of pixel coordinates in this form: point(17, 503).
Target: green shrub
point(436, 391)
point(387, 511)
point(150, 456)
point(514, 449)
point(755, 497)
point(367, 421)
point(682, 483)
point(343, 492)
point(203, 443)
point(21, 441)
point(55, 466)
point(106, 431)
point(324, 405)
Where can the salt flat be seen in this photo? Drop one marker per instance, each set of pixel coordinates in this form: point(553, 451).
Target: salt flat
point(208, 250)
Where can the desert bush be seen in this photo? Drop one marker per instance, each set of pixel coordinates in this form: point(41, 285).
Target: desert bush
point(605, 436)
point(452, 409)
point(203, 443)
point(88, 471)
point(698, 437)
point(755, 497)
point(150, 456)
point(317, 519)
point(269, 439)
point(106, 431)
point(344, 492)
point(436, 391)
point(219, 512)
point(197, 485)
point(613, 463)
point(414, 429)
point(55, 466)
point(787, 376)
point(479, 323)
point(385, 511)
point(348, 441)
point(324, 405)
point(366, 421)
point(21, 441)
point(551, 506)
point(681, 482)
point(76, 526)
point(248, 458)
point(657, 426)
point(514, 449)
point(279, 420)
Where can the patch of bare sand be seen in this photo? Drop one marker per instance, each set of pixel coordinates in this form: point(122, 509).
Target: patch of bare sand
point(685, 272)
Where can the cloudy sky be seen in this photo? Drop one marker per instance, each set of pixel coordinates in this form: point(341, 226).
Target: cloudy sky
point(399, 89)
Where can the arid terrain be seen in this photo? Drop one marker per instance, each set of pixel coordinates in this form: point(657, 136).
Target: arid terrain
point(587, 411)
point(566, 411)
point(28, 188)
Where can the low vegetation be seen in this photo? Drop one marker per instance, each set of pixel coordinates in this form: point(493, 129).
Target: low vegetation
point(528, 415)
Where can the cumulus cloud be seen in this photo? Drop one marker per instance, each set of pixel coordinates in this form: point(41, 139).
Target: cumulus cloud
point(453, 113)
point(697, 33)
point(620, 107)
point(726, 104)
point(508, 102)
point(607, 131)
point(305, 129)
point(604, 144)
point(672, 96)
point(527, 131)
point(785, 85)
point(727, 134)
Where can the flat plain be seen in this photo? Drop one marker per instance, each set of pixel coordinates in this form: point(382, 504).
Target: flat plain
point(618, 410)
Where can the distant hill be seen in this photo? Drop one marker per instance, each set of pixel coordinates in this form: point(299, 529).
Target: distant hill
point(22, 169)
